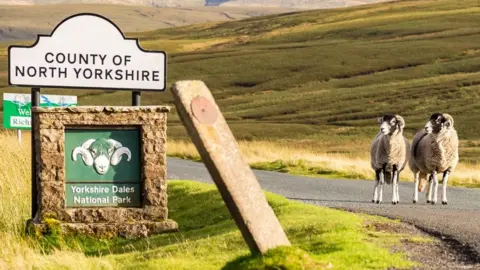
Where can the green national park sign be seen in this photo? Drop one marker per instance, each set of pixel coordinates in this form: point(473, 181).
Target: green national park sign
point(17, 108)
point(102, 167)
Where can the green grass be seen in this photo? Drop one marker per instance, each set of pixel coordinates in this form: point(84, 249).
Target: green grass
point(326, 75)
point(278, 258)
point(209, 239)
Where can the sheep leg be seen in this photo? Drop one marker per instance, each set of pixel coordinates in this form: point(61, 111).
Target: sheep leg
point(394, 185)
point(394, 197)
point(415, 191)
point(397, 187)
point(382, 181)
point(435, 188)
point(397, 179)
point(445, 182)
point(429, 189)
point(375, 188)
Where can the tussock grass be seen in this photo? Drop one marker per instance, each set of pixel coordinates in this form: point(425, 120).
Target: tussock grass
point(14, 171)
point(208, 237)
point(302, 158)
point(18, 251)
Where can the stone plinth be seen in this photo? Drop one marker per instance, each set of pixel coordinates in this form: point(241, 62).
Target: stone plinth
point(53, 154)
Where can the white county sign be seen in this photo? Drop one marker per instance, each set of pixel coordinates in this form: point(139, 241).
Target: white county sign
point(87, 51)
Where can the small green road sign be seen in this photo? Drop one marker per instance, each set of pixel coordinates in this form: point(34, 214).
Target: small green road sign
point(16, 108)
point(102, 167)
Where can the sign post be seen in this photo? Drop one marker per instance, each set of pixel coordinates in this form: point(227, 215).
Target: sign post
point(35, 98)
point(135, 98)
point(84, 145)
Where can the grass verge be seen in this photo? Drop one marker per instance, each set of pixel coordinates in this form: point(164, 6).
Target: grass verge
point(208, 237)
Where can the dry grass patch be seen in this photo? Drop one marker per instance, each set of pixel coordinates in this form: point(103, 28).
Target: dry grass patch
point(17, 251)
point(206, 44)
point(302, 159)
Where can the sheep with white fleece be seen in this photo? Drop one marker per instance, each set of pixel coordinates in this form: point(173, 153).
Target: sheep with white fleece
point(389, 155)
point(435, 150)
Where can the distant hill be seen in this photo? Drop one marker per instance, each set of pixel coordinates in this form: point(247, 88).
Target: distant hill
point(304, 4)
point(152, 3)
point(24, 19)
point(20, 22)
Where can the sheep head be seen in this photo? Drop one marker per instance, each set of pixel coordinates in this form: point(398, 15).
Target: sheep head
point(439, 123)
point(101, 153)
point(391, 124)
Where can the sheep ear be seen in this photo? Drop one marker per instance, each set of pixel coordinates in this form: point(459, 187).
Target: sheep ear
point(380, 120)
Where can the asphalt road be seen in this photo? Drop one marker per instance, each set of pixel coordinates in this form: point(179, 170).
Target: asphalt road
point(459, 220)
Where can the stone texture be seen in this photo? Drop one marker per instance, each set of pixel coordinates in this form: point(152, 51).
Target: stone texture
point(234, 178)
point(110, 230)
point(49, 129)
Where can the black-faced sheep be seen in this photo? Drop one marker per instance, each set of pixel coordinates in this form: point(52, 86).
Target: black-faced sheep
point(435, 150)
point(389, 154)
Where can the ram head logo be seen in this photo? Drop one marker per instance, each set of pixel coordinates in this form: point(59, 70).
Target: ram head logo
point(101, 153)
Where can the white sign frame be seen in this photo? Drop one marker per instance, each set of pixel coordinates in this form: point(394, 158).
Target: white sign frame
point(18, 58)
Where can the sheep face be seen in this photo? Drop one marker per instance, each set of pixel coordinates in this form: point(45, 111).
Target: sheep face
point(101, 153)
point(391, 124)
point(439, 123)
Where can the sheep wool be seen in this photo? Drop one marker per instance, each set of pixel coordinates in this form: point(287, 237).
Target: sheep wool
point(389, 155)
point(434, 152)
point(443, 153)
point(390, 150)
